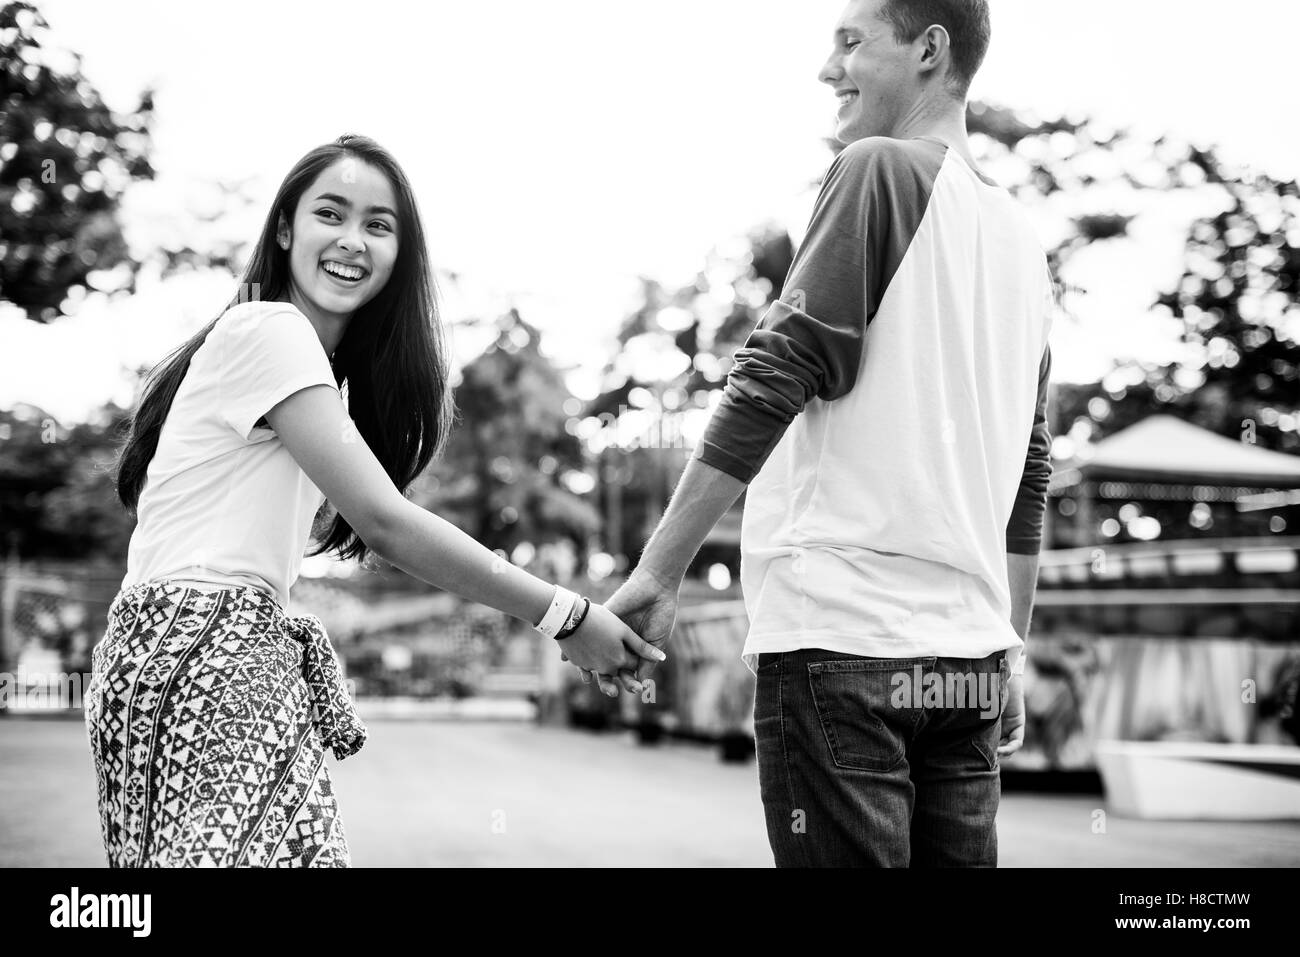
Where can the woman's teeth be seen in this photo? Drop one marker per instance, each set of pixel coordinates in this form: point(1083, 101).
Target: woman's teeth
point(350, 273)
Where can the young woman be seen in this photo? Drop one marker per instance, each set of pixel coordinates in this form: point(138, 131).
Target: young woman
point(210, 708)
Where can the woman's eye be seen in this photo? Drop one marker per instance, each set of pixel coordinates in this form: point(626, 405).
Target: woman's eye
point(382, 225)
point(327, 212)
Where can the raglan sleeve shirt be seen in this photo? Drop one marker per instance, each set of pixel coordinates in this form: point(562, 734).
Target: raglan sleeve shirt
point(809, 343)
point(268, 352)
point(1025, 529)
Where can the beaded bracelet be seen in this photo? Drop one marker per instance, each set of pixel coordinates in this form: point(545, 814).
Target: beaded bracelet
point(575, 620)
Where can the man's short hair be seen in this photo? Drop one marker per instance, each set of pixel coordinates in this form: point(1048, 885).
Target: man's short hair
point(967, 23)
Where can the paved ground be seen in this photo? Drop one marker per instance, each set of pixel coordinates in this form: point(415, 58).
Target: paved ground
point(506, 793)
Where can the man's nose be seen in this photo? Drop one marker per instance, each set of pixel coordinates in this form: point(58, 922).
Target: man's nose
point(831, 71)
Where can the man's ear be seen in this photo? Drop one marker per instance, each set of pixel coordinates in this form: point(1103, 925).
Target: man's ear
point(283, 235)
point(935, 48)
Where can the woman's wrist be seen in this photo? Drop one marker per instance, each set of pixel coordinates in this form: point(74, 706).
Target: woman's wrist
point(558, 615)
point(576, 619)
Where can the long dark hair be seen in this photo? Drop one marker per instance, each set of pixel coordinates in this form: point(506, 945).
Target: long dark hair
point(392, 357)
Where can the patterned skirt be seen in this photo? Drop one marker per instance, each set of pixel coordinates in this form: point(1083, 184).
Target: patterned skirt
point(208, 712)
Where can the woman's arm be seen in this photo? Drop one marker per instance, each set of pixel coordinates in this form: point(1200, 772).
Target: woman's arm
point(316, 429)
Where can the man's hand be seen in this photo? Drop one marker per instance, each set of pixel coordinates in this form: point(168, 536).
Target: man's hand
point(1013, 717)
point(649, 607)
point(603, 645)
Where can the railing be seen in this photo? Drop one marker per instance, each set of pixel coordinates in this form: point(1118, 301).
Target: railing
point(1213, 562)
point(1198, 588)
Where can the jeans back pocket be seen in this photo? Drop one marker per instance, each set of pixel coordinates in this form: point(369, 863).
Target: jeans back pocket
point(856, 704)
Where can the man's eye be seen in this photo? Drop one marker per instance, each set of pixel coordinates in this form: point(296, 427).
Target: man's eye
point(850, 44)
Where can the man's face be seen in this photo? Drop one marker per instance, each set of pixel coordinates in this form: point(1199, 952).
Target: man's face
point(874, 76)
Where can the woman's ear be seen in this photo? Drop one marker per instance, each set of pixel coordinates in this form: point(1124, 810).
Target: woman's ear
point(282, 233)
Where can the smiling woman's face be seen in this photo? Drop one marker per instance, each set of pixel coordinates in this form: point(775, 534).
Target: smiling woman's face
point(343, 239)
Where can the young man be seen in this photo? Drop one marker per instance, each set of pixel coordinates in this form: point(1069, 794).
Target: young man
point(889, 417)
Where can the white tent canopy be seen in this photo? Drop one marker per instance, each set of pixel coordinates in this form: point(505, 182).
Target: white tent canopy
point(1164, 447)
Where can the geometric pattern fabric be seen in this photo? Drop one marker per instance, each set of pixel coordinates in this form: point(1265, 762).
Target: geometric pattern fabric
point(208, 714)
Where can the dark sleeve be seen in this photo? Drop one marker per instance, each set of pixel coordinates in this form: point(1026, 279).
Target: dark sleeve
point(809, 343)
point(1025, 529)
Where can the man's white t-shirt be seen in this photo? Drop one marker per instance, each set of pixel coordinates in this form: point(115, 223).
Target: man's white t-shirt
point(224, 501)
point(890, 415)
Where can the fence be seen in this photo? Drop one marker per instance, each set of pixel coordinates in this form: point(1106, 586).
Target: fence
point(409, 645)
point(51, 615)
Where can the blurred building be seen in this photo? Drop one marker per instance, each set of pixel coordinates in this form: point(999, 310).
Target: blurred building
point(1166, 478)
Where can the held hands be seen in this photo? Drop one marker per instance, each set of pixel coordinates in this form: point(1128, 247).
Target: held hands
point(604, 646)
point(649, 607)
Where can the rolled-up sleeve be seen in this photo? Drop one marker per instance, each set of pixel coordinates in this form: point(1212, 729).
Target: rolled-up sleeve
point(1025, 528)
point(809, 343)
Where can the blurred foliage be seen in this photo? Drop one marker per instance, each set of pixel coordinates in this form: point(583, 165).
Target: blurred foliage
point(675, 349)
point(527, 464)
point(1238, 299)
point(1239, 302)
point(65, 160)
point(57, 496)
point(503, 475)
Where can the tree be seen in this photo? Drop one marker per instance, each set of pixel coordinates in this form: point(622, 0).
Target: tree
point(1237, 300)
point(65, 160)
point(1232, 312)
point(57, 496)
point(511, 473)
point(676, 348)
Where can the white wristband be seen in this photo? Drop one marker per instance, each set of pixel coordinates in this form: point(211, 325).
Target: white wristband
point(559, 612)
point(1018, 669)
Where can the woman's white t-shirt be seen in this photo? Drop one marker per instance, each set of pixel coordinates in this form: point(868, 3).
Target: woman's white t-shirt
point(224, 501)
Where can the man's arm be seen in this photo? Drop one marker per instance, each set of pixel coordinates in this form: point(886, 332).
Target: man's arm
point(1025, 529)
point(1022, 573)
point(703, 496)
point(647, 601)
point(1024, 537)
point(809, 344)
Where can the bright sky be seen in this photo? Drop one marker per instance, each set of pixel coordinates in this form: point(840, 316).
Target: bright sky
point(560, 149)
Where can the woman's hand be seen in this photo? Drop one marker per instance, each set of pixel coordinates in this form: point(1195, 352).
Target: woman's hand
point(649, 607)
point(604, 646)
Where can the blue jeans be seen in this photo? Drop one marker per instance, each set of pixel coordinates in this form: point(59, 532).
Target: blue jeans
point(860, 765)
